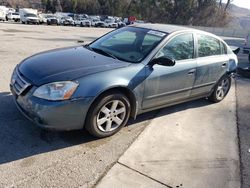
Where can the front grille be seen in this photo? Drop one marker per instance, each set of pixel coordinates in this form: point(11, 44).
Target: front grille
point(19, 84)
point(33, 20)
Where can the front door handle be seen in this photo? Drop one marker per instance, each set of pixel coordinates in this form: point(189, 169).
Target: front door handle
point(224, 65)
point(191, 72)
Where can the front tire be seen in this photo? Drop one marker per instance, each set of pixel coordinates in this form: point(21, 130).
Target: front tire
point(221, 89)
point(108, 115)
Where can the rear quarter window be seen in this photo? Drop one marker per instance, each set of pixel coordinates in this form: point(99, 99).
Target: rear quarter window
point(223, 48)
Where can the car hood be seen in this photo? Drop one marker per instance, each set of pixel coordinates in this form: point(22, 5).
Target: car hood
point(66, 64)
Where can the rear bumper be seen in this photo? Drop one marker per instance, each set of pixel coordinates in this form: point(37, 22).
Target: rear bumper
point(57, 115)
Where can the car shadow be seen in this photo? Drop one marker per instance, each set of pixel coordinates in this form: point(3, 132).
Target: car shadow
point(21, 139)
point(169, 110)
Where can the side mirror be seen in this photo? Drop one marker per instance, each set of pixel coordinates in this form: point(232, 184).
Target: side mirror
point(164, 61)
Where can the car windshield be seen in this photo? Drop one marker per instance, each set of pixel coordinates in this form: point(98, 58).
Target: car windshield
point(128, 44)
point(30, 15)
point(109, 21)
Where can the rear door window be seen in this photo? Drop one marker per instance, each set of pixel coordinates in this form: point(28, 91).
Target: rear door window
point(208, 46)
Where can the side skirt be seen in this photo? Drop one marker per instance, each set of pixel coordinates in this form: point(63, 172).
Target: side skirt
point(173, 103)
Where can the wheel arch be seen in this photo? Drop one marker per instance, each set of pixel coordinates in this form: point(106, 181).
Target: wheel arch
point(213, 88)
point(121, 89)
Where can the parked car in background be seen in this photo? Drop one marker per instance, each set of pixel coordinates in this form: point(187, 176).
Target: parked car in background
point(120, 24)
point(94, 22)
point(42, 18)
point(13, 16)
point(111, 23)
point(52, 20)
point(99, 23)
point(2, 15)
point(246, 47)
point(30, 19)
point(28, 16)
point(83, 22)
point(67, 21)
point(126, 72)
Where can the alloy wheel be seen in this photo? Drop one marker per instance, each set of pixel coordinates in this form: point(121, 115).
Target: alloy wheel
point(111, 116)
point(222, 89)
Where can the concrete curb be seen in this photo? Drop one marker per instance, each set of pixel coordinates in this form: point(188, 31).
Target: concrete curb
point(190, 145)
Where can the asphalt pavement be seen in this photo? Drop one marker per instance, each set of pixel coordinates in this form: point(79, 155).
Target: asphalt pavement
point(32, 157)
point(243, 120)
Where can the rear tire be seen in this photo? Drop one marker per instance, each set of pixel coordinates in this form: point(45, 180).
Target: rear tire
point(221, 89)
point(108, 115)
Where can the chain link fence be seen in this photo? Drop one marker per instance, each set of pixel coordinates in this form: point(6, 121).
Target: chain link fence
point(226, 32)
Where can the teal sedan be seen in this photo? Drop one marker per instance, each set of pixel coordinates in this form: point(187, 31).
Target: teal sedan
point(122, 74)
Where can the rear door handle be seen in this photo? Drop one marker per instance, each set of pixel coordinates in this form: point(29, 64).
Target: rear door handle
point(191, 72)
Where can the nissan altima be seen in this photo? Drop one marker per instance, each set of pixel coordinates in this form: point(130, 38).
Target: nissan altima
point(122, 74)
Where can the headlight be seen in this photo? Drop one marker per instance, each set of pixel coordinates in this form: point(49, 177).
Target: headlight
point(56, 90)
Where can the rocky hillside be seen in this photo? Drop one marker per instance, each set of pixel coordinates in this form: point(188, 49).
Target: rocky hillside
point(240, 17)
point(22, 3)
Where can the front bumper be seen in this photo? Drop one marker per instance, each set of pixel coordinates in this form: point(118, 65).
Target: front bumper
point(57, 115)
point(68, 23)
point(53, 21)
point(33, 21)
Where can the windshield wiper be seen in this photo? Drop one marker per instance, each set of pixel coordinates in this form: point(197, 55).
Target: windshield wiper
point(98, 50)
point(105, 53)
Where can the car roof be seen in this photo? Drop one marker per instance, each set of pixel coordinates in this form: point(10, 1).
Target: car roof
point(162, 27)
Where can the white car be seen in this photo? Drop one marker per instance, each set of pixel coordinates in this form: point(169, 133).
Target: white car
point(83, 22)
point(52, 20)
point(94, 22)
point(13, 16)
point(30, 19)
point(42, 18)
point(67, 21)
point(111, 23)
point(98, 23)
point(2, 16)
